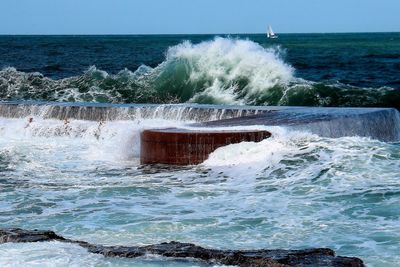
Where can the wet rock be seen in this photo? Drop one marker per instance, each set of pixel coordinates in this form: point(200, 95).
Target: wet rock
point(17, 235)
point(249, 258)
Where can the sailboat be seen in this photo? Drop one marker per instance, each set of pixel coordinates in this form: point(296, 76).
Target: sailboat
point(270, 33)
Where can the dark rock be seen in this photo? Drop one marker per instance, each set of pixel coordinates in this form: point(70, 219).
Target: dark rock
point(17, 235)
point(249, 258)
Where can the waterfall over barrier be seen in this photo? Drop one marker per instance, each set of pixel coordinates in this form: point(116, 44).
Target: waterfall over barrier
point(110, 112)
point(204, 122)
point(377, 123)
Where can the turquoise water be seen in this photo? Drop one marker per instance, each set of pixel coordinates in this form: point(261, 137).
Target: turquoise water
point(294, 190)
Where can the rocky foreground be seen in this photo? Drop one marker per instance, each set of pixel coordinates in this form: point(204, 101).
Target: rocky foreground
point(263, 257)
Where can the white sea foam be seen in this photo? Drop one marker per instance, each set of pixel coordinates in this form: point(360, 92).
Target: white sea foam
point(218, 71)
point(292, 190)
point(291, 157)
point(223, 70)
point(104, 140)
point(257, 158)
point(58, 254)
point(232, 71)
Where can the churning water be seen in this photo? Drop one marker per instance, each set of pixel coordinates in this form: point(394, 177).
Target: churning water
point(82, 178)
point(311, 70)
point(294, 190)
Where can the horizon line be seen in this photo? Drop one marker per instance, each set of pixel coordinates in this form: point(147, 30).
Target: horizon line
point(166, 34)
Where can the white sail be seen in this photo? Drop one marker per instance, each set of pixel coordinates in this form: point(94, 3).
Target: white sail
point(270, 33)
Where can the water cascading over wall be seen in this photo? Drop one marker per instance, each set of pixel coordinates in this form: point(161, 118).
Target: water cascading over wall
point(377, 123)
point(110, 112)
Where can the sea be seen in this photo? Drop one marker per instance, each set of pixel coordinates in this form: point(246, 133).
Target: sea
point(83, 179)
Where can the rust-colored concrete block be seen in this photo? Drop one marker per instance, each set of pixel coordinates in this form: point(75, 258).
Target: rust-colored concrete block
point(186, 147)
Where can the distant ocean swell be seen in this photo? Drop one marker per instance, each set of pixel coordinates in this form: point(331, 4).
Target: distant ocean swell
point(221, 71)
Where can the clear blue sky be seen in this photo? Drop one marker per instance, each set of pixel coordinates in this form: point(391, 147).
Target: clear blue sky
point(196, 16)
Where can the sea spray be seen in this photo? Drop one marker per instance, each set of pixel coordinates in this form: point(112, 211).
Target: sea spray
point(229, 70)
point(222, 70)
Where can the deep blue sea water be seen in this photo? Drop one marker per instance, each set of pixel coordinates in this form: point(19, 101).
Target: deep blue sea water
point(296, 69)
point(83, 179)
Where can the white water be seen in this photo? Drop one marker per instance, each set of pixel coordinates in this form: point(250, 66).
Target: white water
point(225, 62)
point(115, 141)
point(59, 254)
point(293, 190)
point(218, 71)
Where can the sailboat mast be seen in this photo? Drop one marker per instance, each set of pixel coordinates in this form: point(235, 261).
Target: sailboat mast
point(270, 33)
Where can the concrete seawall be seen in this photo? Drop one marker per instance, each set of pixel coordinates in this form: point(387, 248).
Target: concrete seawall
point(179, 146)
point(377, 123)
point(187, 147)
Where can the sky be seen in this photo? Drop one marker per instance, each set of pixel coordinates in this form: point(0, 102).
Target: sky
point(196, 16)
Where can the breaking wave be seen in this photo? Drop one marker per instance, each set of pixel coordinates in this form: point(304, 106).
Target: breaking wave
point(220, 71)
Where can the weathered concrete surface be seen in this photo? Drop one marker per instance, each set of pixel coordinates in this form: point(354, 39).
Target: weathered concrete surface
point(186, 147)
point(266, 258)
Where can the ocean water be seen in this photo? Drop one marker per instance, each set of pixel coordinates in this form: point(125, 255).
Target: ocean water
point(294, 190)
point(296, 69)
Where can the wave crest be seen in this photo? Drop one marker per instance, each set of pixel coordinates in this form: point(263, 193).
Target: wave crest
point(220, 71)
point(229, 71)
